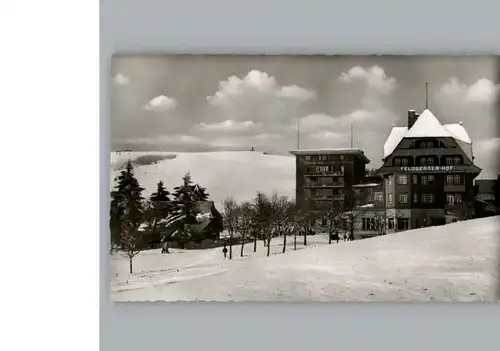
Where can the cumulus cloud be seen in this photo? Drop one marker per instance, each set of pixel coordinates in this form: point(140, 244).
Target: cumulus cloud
point(491, 145)
point(375, 78)
point(229, 125)
point(328, 135)
point(256, 83)
point(319, 121)
point(486, 153)
point(161, 103)
point(259, 97)
point(482, 91)
point(121, 79)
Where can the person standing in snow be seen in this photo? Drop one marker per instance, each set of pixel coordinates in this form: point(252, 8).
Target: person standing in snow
point(164, 246)
point(224, 250)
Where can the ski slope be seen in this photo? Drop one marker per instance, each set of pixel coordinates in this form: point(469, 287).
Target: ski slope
point(456, 262)
point(239, 174)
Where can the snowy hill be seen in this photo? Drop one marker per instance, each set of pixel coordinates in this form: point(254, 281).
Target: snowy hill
point(456, 262)
point(233, 173)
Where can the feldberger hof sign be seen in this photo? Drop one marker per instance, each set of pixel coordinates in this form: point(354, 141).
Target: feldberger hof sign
point(427, 169)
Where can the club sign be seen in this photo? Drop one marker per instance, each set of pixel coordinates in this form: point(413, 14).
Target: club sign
point(427, 169)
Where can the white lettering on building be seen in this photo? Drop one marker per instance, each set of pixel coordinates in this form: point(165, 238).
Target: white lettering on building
point(427, 169)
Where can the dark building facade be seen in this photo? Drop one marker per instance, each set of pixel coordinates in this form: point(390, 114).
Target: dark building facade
point(484, 189)
point(327, 176)
point(428, 173)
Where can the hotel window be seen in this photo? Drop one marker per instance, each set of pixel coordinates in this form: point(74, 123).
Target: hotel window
point(403, 198)
point(449, 161)
point(422, 161)
point(342, 169)
point(415, 198)
point(389, 180)
point(430, 161)
point(450, 199)
point(457, 179)
point(341, 157)
point(449, 179)
point(457, 160)
point(389, 199)
point(430, 144)
point(404, 161)
point(308, 158)
point(430, 178)
point(458, 198)
point(402, 179)
point(423, 180)
point(415, 179)
point(379, 196)
point(428, 198)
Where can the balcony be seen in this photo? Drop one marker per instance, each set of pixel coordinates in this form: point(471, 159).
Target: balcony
point(330, 174)
point(327, 197)
point(452, 188)
point(323, 184)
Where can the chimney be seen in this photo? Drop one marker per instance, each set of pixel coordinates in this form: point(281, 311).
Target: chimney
point(412, 118)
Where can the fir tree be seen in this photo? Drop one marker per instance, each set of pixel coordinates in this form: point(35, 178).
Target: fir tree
point(185, 198)
point(200, 192)
point(184, 210)
point(159, 205)
point(127, 214)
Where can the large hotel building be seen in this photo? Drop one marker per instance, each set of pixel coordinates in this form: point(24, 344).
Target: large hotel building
point(426, 178)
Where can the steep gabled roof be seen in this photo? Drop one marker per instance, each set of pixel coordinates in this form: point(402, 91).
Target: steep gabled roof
point(392, 142)
point(458, 131)
point(426, 126)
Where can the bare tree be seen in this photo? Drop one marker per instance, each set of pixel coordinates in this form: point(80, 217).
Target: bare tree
point(130, 245)
point(282, 218)
point(295, 235)
point(380, 217)
point(304, 218)
point(244, 222)
point(262, 218)
point(350, 214)
point(334, 215)
point(230, 221)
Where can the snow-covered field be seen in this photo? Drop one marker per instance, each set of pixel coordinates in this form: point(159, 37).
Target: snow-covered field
point(456, 262)
point(239, 174)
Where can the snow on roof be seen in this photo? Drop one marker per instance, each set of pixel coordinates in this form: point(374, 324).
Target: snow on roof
point(392, 142)
point(458, 132)
point(426, 125)
point(338, 151)
point(328, 150)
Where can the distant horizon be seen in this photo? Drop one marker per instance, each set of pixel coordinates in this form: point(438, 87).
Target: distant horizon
point(216, 103)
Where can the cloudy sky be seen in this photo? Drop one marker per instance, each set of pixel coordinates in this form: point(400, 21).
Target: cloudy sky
point(205, 103)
